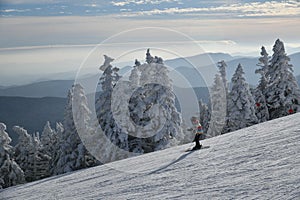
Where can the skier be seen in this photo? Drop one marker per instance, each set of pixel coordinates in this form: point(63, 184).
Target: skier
point(197, 129)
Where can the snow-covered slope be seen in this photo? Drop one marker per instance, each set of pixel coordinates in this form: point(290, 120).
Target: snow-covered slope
point(259, 162)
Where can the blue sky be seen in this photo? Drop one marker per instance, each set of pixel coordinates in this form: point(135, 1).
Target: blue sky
point(41, 37)
point(151, 8)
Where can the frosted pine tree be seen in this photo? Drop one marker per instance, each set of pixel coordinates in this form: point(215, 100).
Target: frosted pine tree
point(204, 116)
point(31, 156)
point(222, 68)
point(73, 155)
point(282, 92)
point(264, 65)
point(10, 172)
point(81, 114)
point(134, 77)
point(49, 141)
point(241, 110)
point(218, 107)
point(153, 105)
point(261, 109)
point(22, 150)
point(113, 132)
point(40, 165)
point(121, 97)
point(69, 141)
point(56, 149)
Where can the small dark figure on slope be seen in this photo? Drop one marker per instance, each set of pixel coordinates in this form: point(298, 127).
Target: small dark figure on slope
point(198, 131)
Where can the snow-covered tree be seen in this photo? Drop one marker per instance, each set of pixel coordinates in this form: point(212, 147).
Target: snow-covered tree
point(105, 117)
point(10, 172)
point(204, 116)
point(282, 92)
point(153, 104)
point(134, 77)
point(31, 156)
point(81, 114)
point(241, 110)
point(264, 65)
point(218, 108)
point(72, 154)
point(69, 141)
point(40, 160)
point(23, 149)
point(222, 69)
point(261, 108)
point(151, 59)
point(56, 148)
point(49, 141)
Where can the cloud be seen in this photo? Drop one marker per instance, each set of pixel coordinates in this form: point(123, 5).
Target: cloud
point(15, 10)
point(253, 9)
point(141, 2)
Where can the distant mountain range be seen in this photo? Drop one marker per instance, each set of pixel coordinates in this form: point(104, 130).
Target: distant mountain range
point(184, 67)
point(53, 88)
point(207, 70)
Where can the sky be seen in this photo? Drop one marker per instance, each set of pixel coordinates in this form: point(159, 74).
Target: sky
point(43, 37)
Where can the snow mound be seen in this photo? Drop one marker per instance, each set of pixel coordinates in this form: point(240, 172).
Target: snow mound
point(260, 162)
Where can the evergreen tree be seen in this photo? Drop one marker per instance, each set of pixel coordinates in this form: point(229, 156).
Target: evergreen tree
point(222, 68)
point(113, 132)
point(154, 118)
point(134, 77)
point(204, 116)
point(81, 114)
point(10, 172)
point(69, 141)
point(241, 111)
point(264, 65)
point(218, 107)
point(40, 160)
point(49, 139)
point(282, 92)
point(31, 156)
point(72, 154)
point(261, 109)
point(56, 149)
point(22, 150)
point(153, 105)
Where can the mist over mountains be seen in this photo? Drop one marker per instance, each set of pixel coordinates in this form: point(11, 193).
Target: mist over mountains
point(182, 66)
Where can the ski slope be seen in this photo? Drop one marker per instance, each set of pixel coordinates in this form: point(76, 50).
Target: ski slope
point(259, 162)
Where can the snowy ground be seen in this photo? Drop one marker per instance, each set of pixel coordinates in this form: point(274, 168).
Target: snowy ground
point(259, 162)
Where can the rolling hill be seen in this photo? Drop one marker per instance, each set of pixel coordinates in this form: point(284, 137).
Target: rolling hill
point(258, 162)
point(52, 88)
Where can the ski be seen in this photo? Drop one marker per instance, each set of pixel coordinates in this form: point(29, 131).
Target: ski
point(191, 149)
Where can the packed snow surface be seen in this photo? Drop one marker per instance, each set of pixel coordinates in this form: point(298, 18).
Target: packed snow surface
point(259, 162)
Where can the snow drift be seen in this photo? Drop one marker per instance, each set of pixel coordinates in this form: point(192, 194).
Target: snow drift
point(260, 162)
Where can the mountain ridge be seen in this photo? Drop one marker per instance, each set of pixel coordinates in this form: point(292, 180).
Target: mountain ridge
point(181, 66)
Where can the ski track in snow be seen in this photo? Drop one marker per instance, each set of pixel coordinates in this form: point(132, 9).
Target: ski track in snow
point(258, 162)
